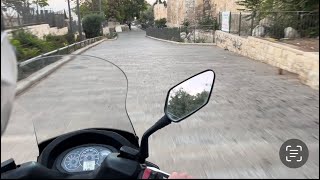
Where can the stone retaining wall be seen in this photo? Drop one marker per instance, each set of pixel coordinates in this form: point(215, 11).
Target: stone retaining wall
point(305, 64)
point(44, 29)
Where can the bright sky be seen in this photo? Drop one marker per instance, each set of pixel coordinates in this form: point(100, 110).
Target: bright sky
point(197, 84)
point(57, 5)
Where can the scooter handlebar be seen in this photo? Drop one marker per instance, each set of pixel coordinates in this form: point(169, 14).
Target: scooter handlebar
point(153, 173)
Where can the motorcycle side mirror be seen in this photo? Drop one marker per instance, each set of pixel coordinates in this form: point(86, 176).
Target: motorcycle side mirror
point(182, 100)
point(189, 96)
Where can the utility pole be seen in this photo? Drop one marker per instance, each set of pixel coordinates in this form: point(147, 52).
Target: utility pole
point(79, 21)
point(194, 20)
point(70, 19)
point(100, 10)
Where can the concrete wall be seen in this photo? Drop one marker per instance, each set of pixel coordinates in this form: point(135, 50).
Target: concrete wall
point(160, 11)
point(305, 64)
point(44, 29)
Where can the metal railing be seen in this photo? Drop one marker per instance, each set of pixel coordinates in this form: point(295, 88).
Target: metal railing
point(31, 18)
point(27, 67)
point(274, 24)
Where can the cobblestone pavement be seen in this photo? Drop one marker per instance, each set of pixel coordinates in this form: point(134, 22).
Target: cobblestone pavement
point(253, 110)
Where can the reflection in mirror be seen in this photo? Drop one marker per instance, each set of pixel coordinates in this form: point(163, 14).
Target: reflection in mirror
point(189, 96)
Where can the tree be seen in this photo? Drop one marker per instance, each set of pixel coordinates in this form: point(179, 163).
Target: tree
point(41, 3)
point(147, 17)
point(126, 9)
point(91, 25)
point(116, 10)
point(92, 6)
point(20, 6)
point(182, 103)
point(279, 5)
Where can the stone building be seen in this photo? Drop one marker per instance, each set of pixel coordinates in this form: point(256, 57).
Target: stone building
point(160, 10)
point(178, 11)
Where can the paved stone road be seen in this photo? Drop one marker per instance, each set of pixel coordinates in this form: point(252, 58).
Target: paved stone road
point(253, 110)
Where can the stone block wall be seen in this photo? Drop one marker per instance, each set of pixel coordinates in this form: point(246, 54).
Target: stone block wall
point(44, 29)
point(160, 11)
point(175, 12)
point(224, 5)
point(305, 64)
point(180, 10)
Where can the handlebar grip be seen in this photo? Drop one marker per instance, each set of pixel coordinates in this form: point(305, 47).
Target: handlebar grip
point(149, 173)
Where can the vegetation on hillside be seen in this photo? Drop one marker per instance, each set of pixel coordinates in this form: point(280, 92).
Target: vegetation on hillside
point(28, 45)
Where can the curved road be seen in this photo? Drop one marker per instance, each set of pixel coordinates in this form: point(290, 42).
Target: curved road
point(253, 110)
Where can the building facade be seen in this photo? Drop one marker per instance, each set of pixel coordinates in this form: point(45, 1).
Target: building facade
point(178, 11)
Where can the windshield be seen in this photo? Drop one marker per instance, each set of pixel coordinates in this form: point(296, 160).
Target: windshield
point(85, 92)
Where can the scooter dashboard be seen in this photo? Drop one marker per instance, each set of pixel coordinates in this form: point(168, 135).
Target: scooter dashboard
point(83, 158)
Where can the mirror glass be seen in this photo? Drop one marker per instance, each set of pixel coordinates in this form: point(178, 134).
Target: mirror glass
point(189, 96)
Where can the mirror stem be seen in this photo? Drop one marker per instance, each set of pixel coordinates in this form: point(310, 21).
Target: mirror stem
point(144, 150)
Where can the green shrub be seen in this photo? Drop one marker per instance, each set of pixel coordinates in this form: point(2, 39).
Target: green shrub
point(209, 23)
point(28, 45)
point(172, 34)
point(92, 25)
point(161, 23)
point(29, 40)
point(24, 52)
point(112, 35)
point(311, 32)
point(56, 41)
point(70, 38)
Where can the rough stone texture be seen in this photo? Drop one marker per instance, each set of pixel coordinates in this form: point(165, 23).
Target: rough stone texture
point(125, 28)
point(252, 110)
point(106, 30)
point(183, 35)
point(266, 22)
point(290, 33)
point(305, 64)
point(175, 12)
point(207, 36)
point(113, 24)
point(160, 11)
point(224, 5)
point(258, 31)
point(118, 28)
point(44, 29)
point(180, 10)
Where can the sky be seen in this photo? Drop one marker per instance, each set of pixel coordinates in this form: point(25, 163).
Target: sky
point(58, 5)
point(196, 84)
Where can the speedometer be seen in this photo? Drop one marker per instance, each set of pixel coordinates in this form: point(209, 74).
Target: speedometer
point(89, 158)
point(71, 161)
point(83, 158)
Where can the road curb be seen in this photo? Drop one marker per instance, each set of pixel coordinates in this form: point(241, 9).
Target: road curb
point(180, 43)
point(44, 72)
